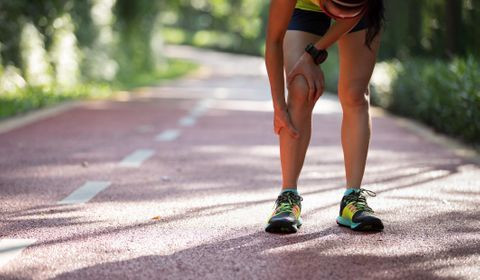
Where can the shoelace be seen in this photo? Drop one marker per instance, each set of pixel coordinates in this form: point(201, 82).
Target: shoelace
point(359, 199)
point(286, 202)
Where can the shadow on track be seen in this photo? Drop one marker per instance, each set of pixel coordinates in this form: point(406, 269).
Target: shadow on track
point(320, 255)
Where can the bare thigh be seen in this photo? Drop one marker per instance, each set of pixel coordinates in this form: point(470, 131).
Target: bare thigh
point(294, 45)
point(356, 64)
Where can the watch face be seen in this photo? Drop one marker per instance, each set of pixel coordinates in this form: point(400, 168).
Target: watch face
point(321, 56)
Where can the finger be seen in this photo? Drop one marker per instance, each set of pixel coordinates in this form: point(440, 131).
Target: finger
point(290, 77)
point(322, 82)
point(292, 130)
point(277, 128)
point(311, 88)
point(322, 88)
point(318, 90)
point(318, 96)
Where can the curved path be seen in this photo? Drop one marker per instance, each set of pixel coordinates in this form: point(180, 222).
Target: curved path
point(178, 181)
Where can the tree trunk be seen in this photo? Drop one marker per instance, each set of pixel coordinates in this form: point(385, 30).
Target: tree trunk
point(453, 28)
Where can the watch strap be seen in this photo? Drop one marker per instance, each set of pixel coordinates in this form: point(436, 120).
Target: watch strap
point(319, 56)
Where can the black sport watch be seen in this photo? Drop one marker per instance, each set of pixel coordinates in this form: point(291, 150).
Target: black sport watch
point(319, 56)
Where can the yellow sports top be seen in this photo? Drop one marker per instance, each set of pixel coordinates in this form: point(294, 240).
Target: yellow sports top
point(309, 5)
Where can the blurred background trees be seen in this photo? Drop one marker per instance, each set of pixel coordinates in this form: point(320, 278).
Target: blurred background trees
point(235, 25)
point(429, 65)
point(55, 49)
point(433, 28)
point(52, 50)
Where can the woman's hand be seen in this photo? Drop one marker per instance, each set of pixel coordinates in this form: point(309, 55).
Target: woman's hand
point(312, 73)
point(281, 119)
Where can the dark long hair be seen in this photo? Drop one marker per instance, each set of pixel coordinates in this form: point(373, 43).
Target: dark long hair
point(375, 18)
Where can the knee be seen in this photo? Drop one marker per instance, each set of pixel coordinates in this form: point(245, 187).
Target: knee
point(298, 92)
point(354, 98)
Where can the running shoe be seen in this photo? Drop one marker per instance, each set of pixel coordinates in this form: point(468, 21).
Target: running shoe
point(286, 216)
point(356, 214)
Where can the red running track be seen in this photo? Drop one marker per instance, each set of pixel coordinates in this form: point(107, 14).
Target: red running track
point(196, 208)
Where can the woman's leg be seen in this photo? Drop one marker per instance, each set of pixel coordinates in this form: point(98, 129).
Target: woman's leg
point(286, 216)
point(356, 66)
point(292, 151)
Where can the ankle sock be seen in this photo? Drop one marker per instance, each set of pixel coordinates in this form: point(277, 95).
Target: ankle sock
point(349, 191)
point(289, 190)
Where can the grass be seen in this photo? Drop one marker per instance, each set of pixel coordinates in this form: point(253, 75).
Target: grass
point(175, 68)
point(216, 40)
point(32, 98)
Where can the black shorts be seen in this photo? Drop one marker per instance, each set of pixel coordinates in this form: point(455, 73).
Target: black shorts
point(316, 22)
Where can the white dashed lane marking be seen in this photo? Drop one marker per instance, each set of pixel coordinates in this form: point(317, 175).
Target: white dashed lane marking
point(136, 158)
point(168, 135)
point(85, 192)
point(201, 108)
point(196, 112)
point(187, 121)
point(11, 248)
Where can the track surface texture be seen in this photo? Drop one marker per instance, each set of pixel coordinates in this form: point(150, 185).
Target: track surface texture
point(197, 206)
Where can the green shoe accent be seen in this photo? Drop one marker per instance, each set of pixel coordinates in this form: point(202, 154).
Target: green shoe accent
point(356, 214)
point(286, 215)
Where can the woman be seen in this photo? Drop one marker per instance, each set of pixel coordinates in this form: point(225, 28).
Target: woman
point(298, 35)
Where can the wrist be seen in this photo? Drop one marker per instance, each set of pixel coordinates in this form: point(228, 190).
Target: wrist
point(318, 56)
point(306, 57)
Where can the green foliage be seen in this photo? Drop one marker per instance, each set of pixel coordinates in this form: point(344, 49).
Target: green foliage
point(212, 39)
point(170, 70)
point(330, 70)
point(135, 21)
point(443, 95)
point(29, 98)
point(434, 28)
point(236, 26)
point(55, 50)
point(52, 50)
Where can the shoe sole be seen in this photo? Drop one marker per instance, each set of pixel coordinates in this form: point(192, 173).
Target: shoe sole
point(371, 226)
point(283, 227)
